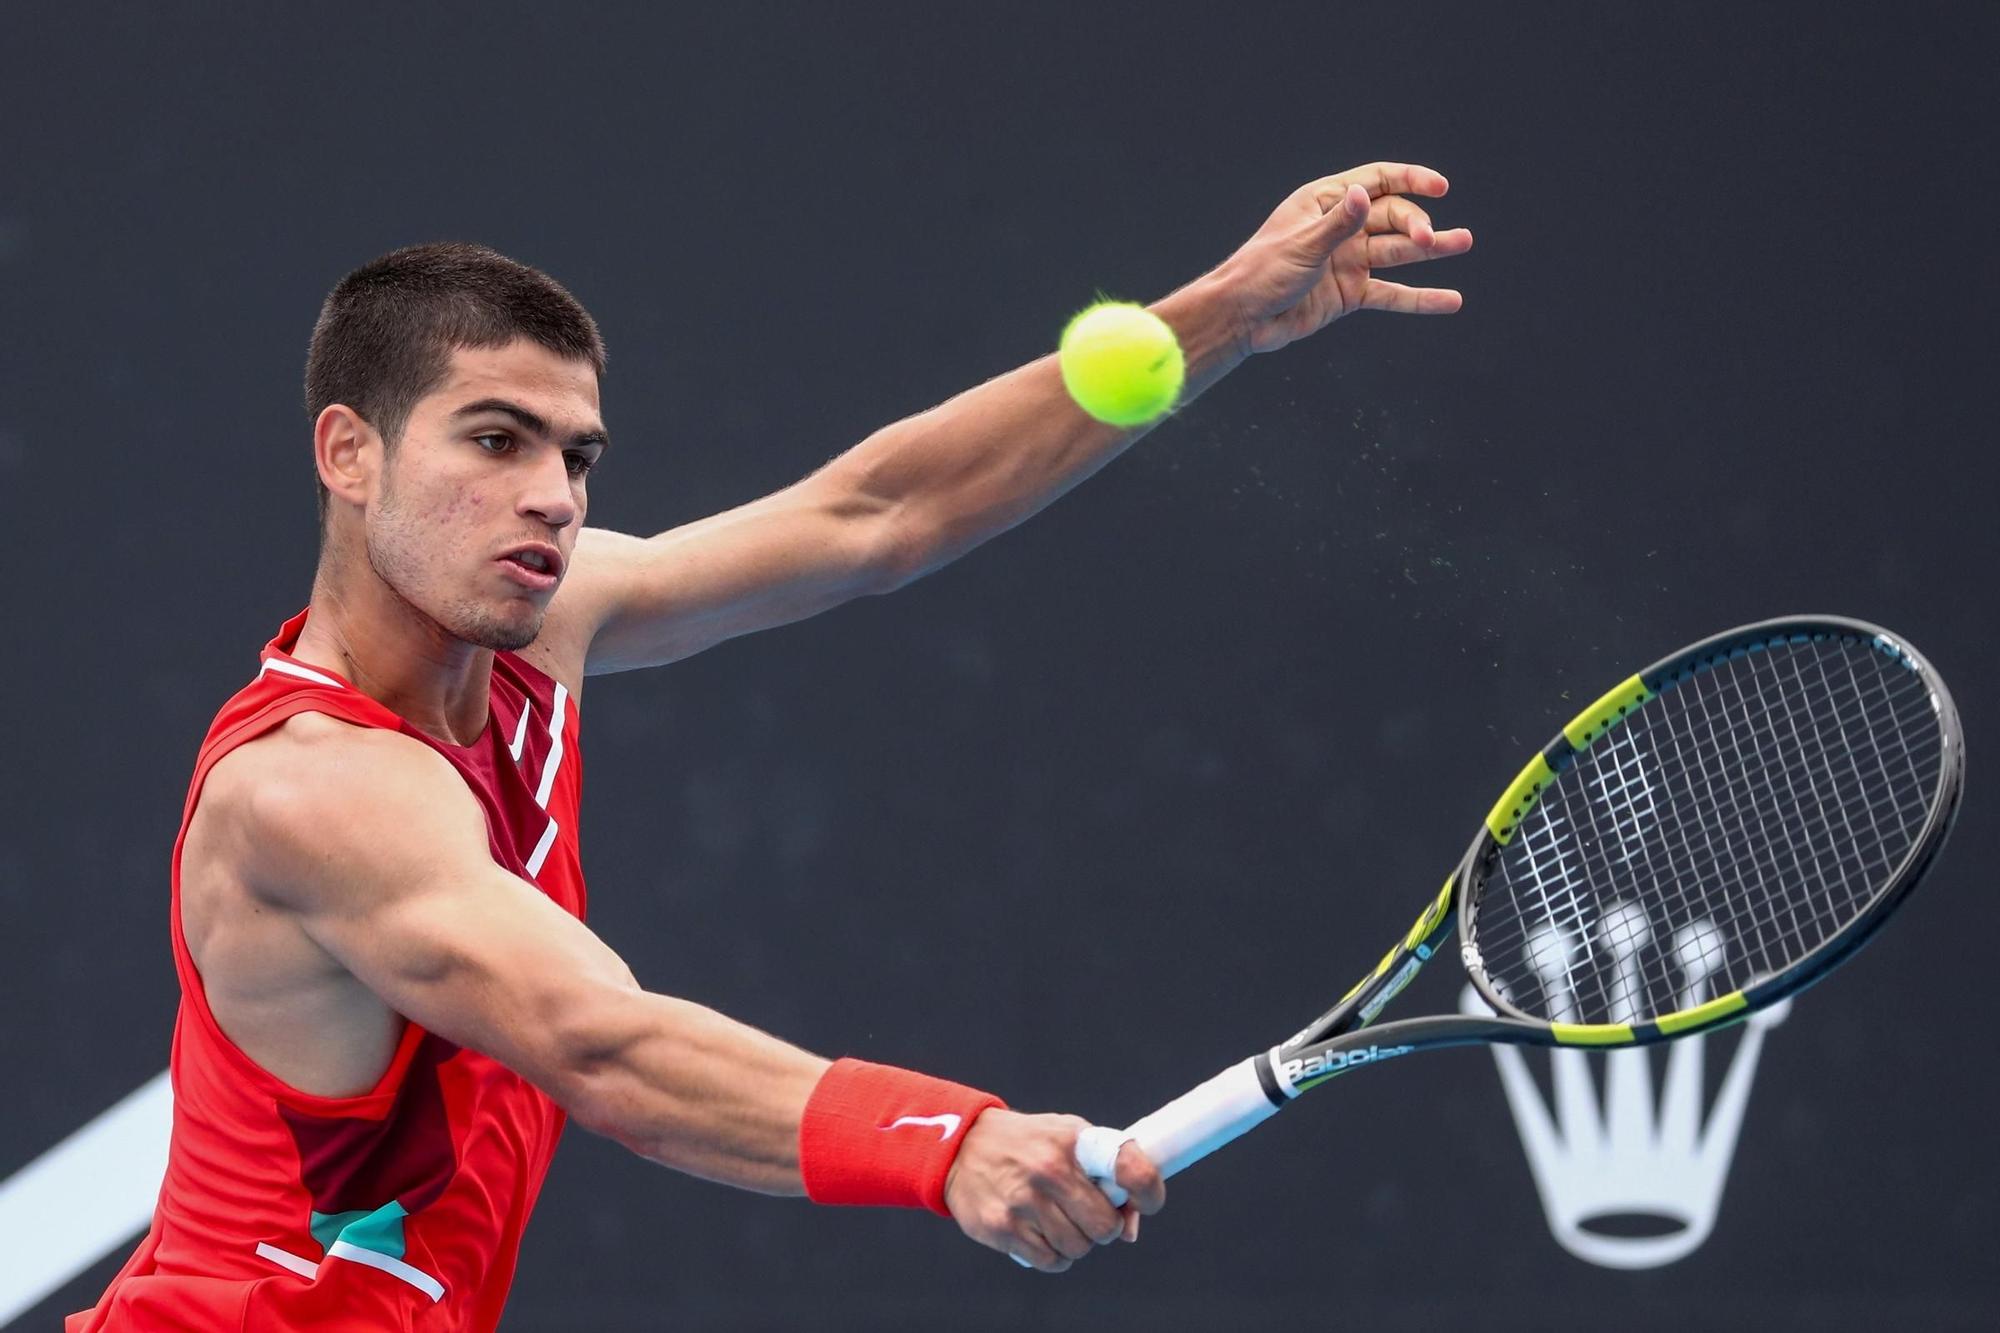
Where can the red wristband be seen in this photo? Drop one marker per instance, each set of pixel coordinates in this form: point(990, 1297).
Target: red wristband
point(875, 1134)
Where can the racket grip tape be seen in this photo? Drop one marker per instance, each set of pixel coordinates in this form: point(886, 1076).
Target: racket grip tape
point(1186, 1129)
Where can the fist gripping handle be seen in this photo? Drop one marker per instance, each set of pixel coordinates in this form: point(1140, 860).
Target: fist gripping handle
point(1182, 1132)
point(1185, 1130)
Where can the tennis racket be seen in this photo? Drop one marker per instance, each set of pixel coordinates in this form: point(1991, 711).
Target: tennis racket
point(1714, 834)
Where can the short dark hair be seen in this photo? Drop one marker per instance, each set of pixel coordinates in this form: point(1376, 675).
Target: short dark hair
point(386, 333)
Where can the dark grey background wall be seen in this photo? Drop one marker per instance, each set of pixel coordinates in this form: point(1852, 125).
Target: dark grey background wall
point(1032, 822)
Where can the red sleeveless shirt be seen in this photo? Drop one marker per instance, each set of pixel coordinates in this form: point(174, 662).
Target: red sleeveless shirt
point(400, 1208)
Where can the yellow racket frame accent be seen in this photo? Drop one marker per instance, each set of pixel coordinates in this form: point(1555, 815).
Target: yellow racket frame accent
point(1521, 794)
point(1518, 799)
point(1667, 1025)
point(1433, 914)
point(1601, 716)
point(1593, 1034)
point(1702, 1014)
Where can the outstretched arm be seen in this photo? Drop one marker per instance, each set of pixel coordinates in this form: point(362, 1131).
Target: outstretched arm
point(371, 842)
point(923, 491)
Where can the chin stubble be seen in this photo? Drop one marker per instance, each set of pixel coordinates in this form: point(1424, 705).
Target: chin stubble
point(464, 621)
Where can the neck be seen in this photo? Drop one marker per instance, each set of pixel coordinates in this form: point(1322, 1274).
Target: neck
point(363, 629)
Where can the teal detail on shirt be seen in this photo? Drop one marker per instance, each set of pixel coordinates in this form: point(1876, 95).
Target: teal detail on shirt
point(380, 1230)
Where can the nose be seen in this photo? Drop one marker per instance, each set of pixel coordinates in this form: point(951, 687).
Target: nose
point(549, 495)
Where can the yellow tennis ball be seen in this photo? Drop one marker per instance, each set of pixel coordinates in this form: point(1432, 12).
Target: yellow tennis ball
point(1121, 363)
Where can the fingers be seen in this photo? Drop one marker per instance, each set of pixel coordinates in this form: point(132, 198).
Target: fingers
point(1390, 251)
point(1380, 178)
point(1399, 231)
point(1066, 1236)
point(1020, 1189)
point(1051, 1239)
point(1346, 212)
point(1138, 1176)
point(1081, 1203)
point(1031, 1251)
point(1069, 1215)
point(1393, 213)
point(1395, 298)
point(1097, 1153)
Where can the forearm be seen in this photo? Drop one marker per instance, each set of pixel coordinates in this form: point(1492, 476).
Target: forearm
point(991, 457)
point(697, 1091)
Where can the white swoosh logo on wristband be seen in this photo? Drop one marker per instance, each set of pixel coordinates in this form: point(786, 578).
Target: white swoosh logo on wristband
point(947, 1124)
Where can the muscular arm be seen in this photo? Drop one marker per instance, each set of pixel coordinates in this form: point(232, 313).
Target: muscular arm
point(913, 496)
point(376, 847)
point(923, 491)
point(371, 842)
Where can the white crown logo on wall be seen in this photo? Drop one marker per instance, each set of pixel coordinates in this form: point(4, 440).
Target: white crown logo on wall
point(1630, 1155)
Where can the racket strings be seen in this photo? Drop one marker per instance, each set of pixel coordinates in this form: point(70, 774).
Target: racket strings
point(1772, 794)
point(1722, 833)
point(1775, 796)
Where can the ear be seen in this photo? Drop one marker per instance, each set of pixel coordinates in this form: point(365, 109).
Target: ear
point(348, 453)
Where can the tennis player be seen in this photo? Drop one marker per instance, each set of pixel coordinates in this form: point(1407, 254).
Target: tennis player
point(389, 1000)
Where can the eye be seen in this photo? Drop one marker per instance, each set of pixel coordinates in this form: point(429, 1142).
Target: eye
point(506, 442)
point(579, 463)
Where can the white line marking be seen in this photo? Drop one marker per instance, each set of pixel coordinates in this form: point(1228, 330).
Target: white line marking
point(541, 852)
point(416, 1277)
point(520, 731)
point(303, 673)
point(554, 761)
point(305, 1268)
point(84, 1197)
point(946, 1124)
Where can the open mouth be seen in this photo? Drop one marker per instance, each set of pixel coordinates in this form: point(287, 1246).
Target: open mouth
point(535, 566)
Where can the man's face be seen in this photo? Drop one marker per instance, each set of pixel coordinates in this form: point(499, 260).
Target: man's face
point(484, 494)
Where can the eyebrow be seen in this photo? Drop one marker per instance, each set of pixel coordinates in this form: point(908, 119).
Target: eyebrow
point(530, 421)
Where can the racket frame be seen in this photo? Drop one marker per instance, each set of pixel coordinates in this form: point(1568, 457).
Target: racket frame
point(1344, 1037)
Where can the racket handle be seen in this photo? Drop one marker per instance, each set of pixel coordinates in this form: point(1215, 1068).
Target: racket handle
point(1186, 1129)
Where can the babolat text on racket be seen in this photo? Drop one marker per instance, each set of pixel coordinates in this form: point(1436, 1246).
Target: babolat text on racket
point(1716, 833)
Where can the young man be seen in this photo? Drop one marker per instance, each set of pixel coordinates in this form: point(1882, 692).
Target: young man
point(390, 1001)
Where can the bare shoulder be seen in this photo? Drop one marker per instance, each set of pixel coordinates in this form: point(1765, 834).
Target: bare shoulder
point(304, 806)
point(361, 857)
point(293, 828)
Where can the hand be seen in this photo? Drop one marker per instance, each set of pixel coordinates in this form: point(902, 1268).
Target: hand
point(1016, 1187)
point(1314, 260)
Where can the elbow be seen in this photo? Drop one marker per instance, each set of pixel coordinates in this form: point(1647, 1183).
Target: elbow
point(594, 1046)
point(625, 1062)
point(593, 1108)
point(886, 540)
point(899, 563)
point(606, 1101)
point(902, 550)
